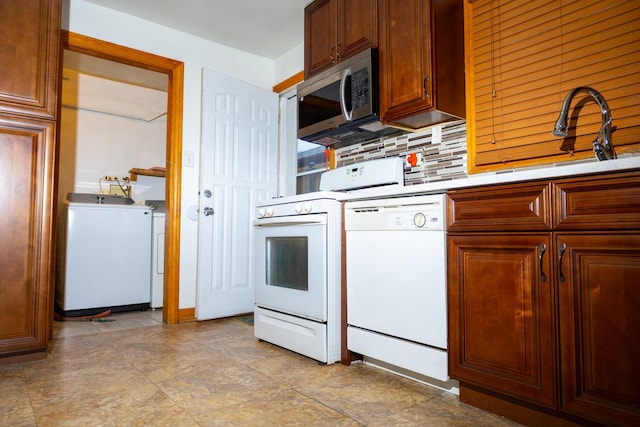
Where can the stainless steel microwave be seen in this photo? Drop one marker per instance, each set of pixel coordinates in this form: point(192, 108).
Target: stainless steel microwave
point(340, 106)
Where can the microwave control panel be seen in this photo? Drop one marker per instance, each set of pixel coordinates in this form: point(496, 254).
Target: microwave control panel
point(360, 88)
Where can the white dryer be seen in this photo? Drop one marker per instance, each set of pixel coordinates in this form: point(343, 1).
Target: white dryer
point(157, 252)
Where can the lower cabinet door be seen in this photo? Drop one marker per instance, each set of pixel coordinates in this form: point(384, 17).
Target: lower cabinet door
point(501, 328)
point(599, 312)
point(26, 171)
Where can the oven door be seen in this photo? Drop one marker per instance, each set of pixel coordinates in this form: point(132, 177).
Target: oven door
point(290, 265)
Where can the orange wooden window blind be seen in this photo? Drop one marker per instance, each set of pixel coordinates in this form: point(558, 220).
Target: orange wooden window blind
point(525, 56)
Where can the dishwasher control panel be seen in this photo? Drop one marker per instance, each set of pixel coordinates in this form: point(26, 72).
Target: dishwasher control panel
point(404, 213)
point(414, 217)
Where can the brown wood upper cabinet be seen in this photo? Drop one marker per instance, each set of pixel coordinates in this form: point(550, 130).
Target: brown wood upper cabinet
point(29, 57)
point(30, 34)
point(337, 29)
point(543, 295)
point(421, 62)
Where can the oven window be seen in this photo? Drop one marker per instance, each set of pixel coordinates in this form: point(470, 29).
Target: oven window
point(287, 262)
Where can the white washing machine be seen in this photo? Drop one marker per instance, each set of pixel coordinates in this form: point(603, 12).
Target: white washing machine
point(106, 255)
point(157, 252)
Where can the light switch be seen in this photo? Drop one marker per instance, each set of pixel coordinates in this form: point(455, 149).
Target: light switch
point(188, 158)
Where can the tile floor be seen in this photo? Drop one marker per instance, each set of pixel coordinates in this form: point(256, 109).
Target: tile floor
point(136, 371)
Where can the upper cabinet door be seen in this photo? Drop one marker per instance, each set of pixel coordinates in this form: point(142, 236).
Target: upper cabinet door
point(357, 27)
point(30, 34)
point(320, 27)
point(337, 29)
point(405, 57)
point(421, 62)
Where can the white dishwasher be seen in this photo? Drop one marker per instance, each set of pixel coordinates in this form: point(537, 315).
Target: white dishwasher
point(396, 283)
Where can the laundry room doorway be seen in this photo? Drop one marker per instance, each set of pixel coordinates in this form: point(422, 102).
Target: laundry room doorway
point(174, 72)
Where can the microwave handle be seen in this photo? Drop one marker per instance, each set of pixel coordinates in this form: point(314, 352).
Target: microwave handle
point(343, 104)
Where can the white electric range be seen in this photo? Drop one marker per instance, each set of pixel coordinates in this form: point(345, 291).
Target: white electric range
point(298, 260)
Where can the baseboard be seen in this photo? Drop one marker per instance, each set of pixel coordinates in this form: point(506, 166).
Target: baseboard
point(518, 412)
point(21, 358)
point(186, 314)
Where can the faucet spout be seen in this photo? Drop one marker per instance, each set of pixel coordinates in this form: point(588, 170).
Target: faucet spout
point(602, 147)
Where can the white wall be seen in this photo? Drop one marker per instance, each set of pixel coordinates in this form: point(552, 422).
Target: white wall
point(107, 128)
point(94, 145)
point(290, 63)
point(88, 19)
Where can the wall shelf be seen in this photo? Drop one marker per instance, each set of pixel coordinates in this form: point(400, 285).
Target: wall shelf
point(159, 172)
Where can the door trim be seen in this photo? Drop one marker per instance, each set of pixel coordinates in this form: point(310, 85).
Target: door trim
point(175, 74)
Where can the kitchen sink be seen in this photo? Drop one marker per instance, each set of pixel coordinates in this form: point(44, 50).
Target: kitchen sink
point(101, 199)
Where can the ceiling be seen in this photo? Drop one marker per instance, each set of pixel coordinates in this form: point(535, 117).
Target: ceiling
point(268, 28)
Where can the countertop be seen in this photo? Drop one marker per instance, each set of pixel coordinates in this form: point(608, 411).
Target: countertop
point(559, 170)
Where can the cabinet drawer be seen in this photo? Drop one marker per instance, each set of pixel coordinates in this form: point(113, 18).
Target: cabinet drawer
point(518, 207)
point(591, 203)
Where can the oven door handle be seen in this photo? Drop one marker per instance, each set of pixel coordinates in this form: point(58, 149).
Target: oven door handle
point(284, 222)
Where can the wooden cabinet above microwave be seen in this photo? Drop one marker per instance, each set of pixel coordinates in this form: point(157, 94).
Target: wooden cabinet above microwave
point(337, 29)
point(421, 51)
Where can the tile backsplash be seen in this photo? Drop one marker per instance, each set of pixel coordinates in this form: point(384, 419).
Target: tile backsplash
point(446, 160)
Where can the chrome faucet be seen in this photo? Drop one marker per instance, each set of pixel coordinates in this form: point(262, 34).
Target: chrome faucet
point(602, 147)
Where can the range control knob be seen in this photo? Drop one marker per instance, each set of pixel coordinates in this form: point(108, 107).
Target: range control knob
point(297, 208)
point(419, 220)
point(308, 207)
point(262, 212)
point(270, 212)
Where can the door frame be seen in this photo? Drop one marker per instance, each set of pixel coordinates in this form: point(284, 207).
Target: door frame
point(175, 74)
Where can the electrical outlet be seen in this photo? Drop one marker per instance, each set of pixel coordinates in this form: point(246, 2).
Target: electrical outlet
point(115, 190)
point(436, 135)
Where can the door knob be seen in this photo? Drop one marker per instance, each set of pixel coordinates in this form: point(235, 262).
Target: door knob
point(207, 193)
point(208, 211)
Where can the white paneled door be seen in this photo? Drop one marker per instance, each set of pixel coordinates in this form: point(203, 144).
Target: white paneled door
point(238, 166)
